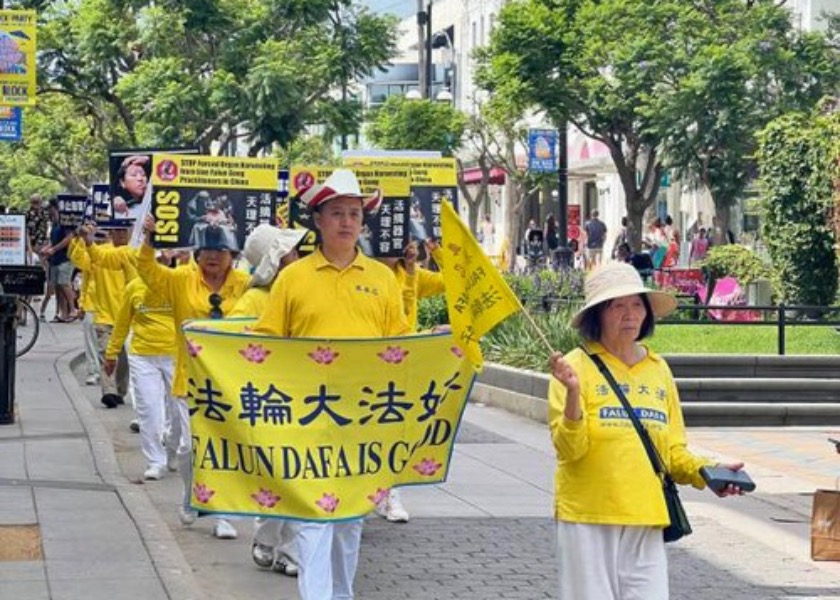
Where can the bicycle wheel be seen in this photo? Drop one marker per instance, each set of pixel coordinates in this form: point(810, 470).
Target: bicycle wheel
point(27, 328)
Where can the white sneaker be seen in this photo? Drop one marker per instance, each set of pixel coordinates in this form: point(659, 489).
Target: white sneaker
point(263, 555)
point(155, 472)
point(283, 564)
point(223, 530)
point(92, 380)
point(395, 511)
point(187, 516)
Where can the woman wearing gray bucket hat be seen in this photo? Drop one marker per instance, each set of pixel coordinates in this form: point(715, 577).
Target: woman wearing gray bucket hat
point(609, 501)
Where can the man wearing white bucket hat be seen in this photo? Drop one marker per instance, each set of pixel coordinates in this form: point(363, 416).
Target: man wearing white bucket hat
point(335, 292)
point(609, 501)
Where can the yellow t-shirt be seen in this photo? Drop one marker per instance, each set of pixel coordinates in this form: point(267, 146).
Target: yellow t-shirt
point(189, 295)
point(149, 317)
point(603, 474)
point(252, 303)
point(109, 256)
point(78, 255)
point(313, 298)
point(108, 289)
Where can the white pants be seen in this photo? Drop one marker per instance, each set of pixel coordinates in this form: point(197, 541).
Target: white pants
point(151, 382)
point(91, 348)
point(280, 534)
point(611, 562)
point(329, 554)
point(181, 439)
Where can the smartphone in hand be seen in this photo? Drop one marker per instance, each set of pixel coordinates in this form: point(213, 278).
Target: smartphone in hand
point(717, 478)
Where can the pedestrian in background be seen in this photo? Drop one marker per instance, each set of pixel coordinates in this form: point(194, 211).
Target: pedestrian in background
point(609, 501)
point(596, 235)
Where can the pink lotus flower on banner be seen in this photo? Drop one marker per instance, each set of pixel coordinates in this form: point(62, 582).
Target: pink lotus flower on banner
point(393, 355)
point(203, 493)
point(265, 498)
point(328, 503)
point(457, 351)
point(379, 496)
point(193, 348)
point(427, 467)
point(255, 353)
point(323, 356)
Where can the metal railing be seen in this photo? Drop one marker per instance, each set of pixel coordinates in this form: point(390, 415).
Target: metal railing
point(780, 316)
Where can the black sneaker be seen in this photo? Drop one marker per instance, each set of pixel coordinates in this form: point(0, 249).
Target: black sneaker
point(119, 399)
point(110, 400)
point(134, 426)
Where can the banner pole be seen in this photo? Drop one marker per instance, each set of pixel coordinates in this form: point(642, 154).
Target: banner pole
point(537, 329)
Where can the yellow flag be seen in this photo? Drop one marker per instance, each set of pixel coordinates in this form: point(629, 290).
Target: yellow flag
point(477, 296)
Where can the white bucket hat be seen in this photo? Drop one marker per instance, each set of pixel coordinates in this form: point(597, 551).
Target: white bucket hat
point(264, 248)
point(615, 280)
point(342, 183)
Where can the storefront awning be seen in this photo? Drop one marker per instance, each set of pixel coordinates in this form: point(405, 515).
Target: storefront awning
point(472, 176)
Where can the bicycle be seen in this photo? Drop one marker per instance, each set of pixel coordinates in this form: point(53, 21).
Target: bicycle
point(27, 328)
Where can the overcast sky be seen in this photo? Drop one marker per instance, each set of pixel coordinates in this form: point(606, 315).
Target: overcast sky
point(401, 8)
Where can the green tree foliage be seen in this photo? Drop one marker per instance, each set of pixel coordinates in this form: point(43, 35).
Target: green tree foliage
point(404, 124)
point(799, 170)
point(199, 72)
point(654, 81)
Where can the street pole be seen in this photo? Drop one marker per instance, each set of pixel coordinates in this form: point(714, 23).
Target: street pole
point(429, 50)
point(421, 48)
point(564, 253)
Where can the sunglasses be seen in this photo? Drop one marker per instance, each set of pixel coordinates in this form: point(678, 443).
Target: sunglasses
point(216, 306)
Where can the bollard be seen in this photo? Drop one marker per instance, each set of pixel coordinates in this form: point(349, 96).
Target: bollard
point(8, 339)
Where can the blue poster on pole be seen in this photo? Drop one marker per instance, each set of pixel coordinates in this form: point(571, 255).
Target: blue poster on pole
point(542, 150)
point(11, 118)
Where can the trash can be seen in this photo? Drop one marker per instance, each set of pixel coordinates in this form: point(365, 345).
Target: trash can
point(8, 338)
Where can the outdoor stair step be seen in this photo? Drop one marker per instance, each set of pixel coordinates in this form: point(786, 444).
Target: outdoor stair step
point(760, 390)
point(736, 365)
point(769, 414)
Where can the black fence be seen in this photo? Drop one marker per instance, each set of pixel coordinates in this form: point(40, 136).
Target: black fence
point(691, 312)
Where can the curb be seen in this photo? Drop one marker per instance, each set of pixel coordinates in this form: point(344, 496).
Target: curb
point(173, 571)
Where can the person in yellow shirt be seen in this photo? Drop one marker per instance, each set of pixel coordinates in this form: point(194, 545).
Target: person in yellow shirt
point(609, 501)
point(269, 249)
point(109, 286)
point(415, 282)
point(335, 292)
point(77, 252)
point(210, 288)
point(150, 360)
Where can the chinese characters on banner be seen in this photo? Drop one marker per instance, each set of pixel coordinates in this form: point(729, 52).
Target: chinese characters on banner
point(205, 201)
point(12, 240)
point(71, 209)
point(318, 429)
point(385, 233)
point(433, 180)
point(17, 57)
point(477, 296)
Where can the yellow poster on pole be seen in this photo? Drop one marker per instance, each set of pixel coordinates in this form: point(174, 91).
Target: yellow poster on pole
point(18, 30)
point(318, 429)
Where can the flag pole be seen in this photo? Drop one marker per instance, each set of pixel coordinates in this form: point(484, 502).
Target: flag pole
point(537, 329)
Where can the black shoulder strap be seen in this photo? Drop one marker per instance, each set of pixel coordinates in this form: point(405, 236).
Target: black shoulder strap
point(650, 449)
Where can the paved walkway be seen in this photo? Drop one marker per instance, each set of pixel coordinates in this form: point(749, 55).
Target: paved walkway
point(70, 471)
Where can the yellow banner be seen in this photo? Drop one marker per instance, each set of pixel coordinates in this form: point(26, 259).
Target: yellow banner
point(217, 172)
point(477, 296)
point(318, 429)
point(18, 31)
point(424, 171)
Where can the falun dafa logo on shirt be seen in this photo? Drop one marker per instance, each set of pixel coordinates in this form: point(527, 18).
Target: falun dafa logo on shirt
point(366, 289)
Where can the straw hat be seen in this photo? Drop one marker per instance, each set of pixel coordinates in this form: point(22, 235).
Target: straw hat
point(342, 183)
point(615, 280)
point(264, 248)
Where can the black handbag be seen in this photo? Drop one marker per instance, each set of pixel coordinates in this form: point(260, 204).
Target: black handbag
point(679, 527)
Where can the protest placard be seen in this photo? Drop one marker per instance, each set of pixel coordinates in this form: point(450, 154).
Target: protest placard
point(71, 209)
point(18, 29)
point(12, 240)
point(202, 201)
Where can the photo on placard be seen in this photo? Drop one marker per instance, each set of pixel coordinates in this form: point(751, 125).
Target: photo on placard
point(130, 172)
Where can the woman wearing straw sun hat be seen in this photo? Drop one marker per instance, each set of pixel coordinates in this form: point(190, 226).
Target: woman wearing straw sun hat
point(609, 501)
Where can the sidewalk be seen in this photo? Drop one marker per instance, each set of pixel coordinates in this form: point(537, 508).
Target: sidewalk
point(73, 469)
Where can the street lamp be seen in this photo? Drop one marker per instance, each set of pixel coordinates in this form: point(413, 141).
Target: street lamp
point(413, 94)
point(444, 95)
